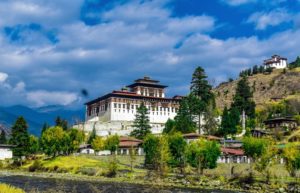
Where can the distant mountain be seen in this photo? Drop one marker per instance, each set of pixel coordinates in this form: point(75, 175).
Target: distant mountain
point(37, 117)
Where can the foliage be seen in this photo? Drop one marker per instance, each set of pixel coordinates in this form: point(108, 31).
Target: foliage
point(242, 100)
point(112, 143)
point(33, 144)
point(20, 138)
point(52, 141)
point(295, 64)
point(35, 166)
point(184, 120)
point(76, 137)
point(150, 146)
point(112, 167)
point(3, 139)
point(254, 147)
point(201, 88)
point(4, 188)
point(177, 146)
point(141, 123)
point(163, 156)
point(59, 122)
point(203, 154)
point(230, 121)
point(92, 136)
point(267, 159)
point(98, 144)
point(291, 153)
point(169, 126)
point(211, 123)
point(45, 127)
point(132, 155)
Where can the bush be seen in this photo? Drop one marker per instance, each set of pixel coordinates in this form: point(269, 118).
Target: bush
point(4, 188)
point(88, 171)
point(112, 168)
point(37, 165)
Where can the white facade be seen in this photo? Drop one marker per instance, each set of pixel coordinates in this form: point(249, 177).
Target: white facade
point(5, 152)
point(115, 112)
point(276, 62)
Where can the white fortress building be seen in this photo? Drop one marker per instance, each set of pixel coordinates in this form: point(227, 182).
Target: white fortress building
point(276, 62)
point(114, 113)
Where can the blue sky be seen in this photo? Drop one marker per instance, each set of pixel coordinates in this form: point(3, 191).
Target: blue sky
point(51, 49)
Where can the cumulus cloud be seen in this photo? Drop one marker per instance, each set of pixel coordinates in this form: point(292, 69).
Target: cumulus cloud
point(132, 39)
point(42, 97)
point(243, 2)
point(3, 77)
point(264, 19)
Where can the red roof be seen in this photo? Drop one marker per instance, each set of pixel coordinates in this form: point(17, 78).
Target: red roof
point(196, 136)
point(129, 142)
point(232, 151)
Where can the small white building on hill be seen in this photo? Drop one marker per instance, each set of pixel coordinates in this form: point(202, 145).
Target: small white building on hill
point(276, 62)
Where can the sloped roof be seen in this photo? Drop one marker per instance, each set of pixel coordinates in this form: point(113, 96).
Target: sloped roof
point(232, 151)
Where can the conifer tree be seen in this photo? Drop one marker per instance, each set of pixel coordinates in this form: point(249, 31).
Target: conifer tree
point(242, 100)
point(20, 138)
point(141, 123)
point(225, 123)
point(45, 127)
point(3, 137)
point(184, 120)
point(203, 90)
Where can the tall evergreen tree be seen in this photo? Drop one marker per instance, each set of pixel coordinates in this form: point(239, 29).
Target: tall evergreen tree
point(243, 99)
point(225, 123)
point(203, 90)
point(141, 123)
point(184, 120)
point(3, 137)
point(20, 138)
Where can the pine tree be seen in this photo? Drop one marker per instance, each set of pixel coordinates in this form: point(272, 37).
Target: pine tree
point(225, 123)
point(255, 69)
point(242, 100)
point(59, 122)
point(184, 120)
point(20, 138)
point(141, 123)
point(3, 137)
point(203, 90)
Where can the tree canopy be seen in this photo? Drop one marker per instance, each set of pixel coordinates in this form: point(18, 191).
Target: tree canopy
point(141, 123)
point(20, 138)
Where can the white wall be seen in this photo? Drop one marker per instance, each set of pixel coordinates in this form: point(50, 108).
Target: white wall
point(5, 153)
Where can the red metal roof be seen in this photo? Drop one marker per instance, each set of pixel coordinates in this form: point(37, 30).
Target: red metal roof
point(126, 141)
point(232, 151)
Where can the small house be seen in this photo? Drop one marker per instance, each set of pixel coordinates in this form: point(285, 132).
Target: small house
point(86, 149)
point(189, 137)
point(6, 151)
point(281, 123)
point(230, 155)
point(129, 143)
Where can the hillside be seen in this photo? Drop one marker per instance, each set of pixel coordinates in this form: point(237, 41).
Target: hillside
point(266, 87)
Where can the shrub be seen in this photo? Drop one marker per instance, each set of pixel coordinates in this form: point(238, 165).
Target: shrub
point(112, 167)
point(4, 188)
point(88, 171)
point(35, 166)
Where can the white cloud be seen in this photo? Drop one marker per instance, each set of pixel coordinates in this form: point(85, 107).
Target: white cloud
point(42, 98)
point(238, 2)
point(135, 39)
point(3, 77)
point(264, 19)
point(243, 2)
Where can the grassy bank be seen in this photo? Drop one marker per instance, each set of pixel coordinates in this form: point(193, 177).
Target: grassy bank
point(95, 168)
